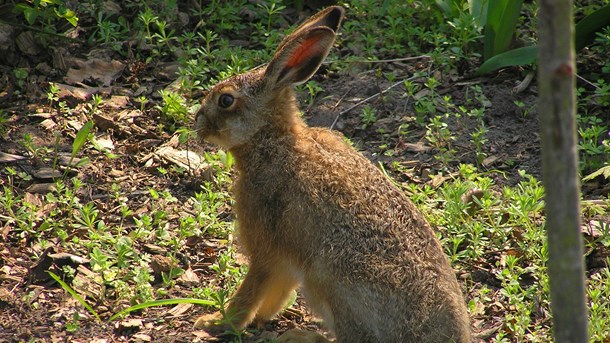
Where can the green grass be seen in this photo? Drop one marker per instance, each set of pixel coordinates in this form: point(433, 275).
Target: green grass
point(497, 240)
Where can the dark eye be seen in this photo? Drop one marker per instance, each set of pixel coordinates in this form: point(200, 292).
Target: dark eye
point(225, 100)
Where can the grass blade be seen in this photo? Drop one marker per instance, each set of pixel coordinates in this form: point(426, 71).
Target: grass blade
point(162, 302)
point(72, 292)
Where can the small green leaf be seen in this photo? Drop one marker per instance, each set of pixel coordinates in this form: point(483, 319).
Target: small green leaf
point(30, 14)
point(83, 162)
point(516, 57)
point(81, 138)
point(71, 17)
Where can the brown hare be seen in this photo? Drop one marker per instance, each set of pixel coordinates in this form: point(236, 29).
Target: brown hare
point(312, 212)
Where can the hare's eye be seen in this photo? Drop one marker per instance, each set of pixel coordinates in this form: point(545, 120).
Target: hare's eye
point(225, 100)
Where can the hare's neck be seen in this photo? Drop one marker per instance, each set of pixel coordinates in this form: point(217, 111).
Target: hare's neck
point(268, 146)
point(285, 113)
point(275, 139)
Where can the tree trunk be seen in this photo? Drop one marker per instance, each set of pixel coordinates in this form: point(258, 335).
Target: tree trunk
point(556, 103)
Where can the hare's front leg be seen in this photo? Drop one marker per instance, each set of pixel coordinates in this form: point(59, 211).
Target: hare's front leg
point(262, 294)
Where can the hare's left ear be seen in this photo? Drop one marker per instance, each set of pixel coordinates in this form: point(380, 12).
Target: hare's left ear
point(299, 58)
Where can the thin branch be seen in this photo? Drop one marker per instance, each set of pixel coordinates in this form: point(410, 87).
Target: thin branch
point(372, 97)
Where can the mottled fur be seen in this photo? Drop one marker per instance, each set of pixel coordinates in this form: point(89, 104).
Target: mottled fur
point(313, 212)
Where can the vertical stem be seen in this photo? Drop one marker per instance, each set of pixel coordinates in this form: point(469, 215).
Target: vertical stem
point(556, 78)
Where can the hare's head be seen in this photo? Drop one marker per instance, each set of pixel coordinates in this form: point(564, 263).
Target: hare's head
point(235, 109)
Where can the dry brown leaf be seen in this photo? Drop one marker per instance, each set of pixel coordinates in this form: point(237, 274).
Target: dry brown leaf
point(489, 160)
point(42, 188)
point(6, 157)
point(103, 72)
point(188, 279)
point(48, 124)
point(183, 158)
point(417, 147)
point(117, 102)
point(81, 93)
point(179, 309)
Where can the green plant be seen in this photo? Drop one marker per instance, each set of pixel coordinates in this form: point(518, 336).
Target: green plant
point(500, 25)
point(313, 89)
point(478, 139)
point(585, 33)
point(72, 326)
point(174, 107)
point(272, 10)
point(46, 11)
point(368, 116)
point(111, 32)
point(53, 93)
point(439, 135)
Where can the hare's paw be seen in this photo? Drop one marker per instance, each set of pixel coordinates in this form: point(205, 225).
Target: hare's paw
point(213, 323)
point(301, 336)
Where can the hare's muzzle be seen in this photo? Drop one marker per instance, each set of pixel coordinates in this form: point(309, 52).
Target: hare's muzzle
point(203, 125)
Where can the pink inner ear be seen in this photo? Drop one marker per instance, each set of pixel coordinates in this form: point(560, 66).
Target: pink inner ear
point(304, 52)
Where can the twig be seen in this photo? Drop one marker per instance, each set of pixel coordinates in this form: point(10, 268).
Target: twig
point(587, 81)
point(337, 104)
point(371, 98)
point(390, 60)
point(523, 84)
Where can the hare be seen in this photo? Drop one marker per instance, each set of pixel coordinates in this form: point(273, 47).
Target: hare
point(314, 213)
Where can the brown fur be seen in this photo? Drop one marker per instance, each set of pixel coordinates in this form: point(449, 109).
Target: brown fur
point(314, 212)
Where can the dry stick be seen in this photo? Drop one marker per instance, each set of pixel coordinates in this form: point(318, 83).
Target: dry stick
point(371, 98)
point(524, 84)
point(392, 60)
point(587, 81)
point(386, 61)
point(340, 100)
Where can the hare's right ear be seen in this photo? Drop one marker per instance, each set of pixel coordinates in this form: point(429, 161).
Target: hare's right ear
point(330, 17)
point(300, 57)
point(301, 53)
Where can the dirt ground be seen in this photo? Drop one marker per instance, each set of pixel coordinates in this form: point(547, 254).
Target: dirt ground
point(513, 144)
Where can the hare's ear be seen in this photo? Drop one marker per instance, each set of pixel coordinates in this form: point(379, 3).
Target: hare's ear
point(329, 17)
point(301, 53)
point(299, 57)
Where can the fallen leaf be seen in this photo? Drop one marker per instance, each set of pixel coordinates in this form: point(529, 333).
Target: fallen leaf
point(48, 124)
point(6, 157)
point(183, 158)
point(117, 102)
point(104, 123)
point(179, 309)
point(41, 188)
point(100, 71)
point(81, 93)
point(489, 160)
point(417, 147)
point(188, 279)
point(46, 173)
point(140, 337)
point(105, 142)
